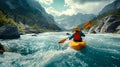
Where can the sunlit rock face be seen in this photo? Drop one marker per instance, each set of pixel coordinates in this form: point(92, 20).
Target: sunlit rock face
point(108, 19)
point(109, 24)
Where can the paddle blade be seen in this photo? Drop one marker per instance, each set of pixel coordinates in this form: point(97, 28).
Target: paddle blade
point(86, 25)
point(62, 41)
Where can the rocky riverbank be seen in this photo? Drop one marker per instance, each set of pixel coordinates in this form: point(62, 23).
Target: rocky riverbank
point(108, 24)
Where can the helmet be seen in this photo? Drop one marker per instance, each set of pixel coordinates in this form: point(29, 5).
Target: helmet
point(77, 28)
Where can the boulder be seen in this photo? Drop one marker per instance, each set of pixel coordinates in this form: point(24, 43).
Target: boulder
point(9, 32)
point(118, 32)
point(108, 21)
point(112, 27)
point(91, 29)
point(99, 26)
point(2, 50)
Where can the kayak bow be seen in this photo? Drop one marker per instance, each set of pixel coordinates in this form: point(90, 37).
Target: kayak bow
point(77, 45)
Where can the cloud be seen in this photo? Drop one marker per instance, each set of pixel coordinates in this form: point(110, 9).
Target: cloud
point(86, 1)
point(52, 11)
point(77, 6)
point(46, 2)
point(87, 6)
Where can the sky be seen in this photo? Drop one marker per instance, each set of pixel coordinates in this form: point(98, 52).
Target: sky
point(72, 7)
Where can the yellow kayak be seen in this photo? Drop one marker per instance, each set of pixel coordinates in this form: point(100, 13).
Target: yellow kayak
point(77, 45)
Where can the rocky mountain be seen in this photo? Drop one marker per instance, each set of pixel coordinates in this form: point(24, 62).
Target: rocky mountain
point(109, 21)
point(29, 13)
point(114, 5)
point(68, 22)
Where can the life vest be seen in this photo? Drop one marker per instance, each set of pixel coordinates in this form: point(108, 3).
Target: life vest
point(77, 36)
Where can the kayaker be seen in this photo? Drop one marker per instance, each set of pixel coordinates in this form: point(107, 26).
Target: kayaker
point(77, 36)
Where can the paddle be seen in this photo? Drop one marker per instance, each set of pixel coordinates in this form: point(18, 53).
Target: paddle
point(86, 25)
point(63, 40)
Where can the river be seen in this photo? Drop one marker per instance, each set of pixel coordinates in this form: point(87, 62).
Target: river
point(43, 50)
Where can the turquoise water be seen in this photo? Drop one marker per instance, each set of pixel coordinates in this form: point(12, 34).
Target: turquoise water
point(43, 50)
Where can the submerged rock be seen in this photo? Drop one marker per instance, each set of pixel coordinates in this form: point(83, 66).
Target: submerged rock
point(9, 32)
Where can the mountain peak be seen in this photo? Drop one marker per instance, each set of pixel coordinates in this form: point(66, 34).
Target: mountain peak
point(111, 6)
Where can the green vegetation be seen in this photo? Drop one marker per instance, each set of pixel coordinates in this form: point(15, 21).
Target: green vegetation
point(4, 20)
point(40, 29)
point(29, 17)
point(35, 27)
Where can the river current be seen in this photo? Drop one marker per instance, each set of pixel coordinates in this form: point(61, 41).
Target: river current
point(43, 50)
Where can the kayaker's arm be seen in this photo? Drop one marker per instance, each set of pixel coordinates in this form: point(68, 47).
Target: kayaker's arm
point(82, 34)
point(71, 37)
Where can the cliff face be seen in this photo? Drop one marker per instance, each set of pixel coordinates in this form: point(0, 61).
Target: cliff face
point(109, 19)
point(28, 12)
point(108, 24)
